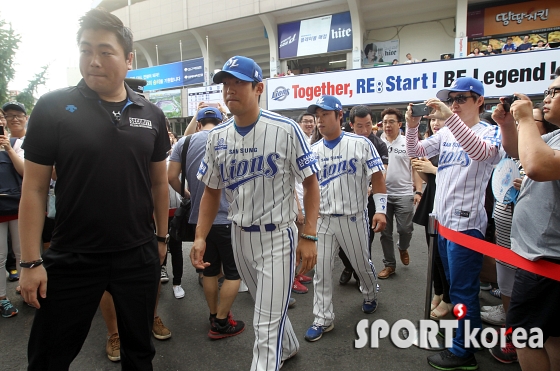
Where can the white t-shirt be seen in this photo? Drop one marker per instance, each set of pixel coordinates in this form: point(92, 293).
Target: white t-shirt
point(399, 170)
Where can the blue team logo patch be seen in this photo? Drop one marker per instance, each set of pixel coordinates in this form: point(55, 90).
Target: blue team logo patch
point(221, 145)
point(203, 168)
point(306, 160)
point(374, 162)
point(71, 108)
point(353, 219)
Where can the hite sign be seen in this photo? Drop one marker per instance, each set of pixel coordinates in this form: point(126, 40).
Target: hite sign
point(527, 73)
point(315, 36)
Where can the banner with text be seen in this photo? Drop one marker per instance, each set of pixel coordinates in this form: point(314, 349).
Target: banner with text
point(315, 36)
point(529, 73)
point(171, 75)
point(521, 18)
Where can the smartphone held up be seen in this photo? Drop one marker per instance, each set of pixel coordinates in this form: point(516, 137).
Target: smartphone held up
point(420, 109)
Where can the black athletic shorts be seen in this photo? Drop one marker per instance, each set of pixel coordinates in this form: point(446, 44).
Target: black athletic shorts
point(535, 302)
point(219, 252)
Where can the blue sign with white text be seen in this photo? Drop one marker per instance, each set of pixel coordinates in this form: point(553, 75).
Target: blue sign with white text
point(315, 36)
point(193, 71)
point(171, 75)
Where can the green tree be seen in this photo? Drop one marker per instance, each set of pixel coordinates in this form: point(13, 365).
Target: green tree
point(26, 96)
point(9, 43)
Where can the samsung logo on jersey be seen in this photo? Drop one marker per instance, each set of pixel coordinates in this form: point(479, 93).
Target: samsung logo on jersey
point(287, 41)
point(333, 171)
point(237, 173)
point(140, 123)
point(280, 93)
point(306, 160)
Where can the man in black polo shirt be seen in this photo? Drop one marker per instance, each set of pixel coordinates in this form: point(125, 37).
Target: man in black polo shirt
point(109, 146)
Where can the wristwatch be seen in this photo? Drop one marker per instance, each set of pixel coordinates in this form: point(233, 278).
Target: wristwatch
point(163, 239)
point(418, 193)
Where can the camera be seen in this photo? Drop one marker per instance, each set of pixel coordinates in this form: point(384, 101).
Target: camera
point(420, 109)
point(508, 101)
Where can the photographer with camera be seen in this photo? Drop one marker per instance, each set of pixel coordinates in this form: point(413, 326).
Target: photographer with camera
point(467, 150)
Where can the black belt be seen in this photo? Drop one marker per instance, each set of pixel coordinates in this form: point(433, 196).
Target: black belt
point(258, 228)
point(337, 215)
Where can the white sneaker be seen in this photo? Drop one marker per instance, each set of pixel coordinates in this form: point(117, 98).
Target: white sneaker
point(178, 292)
point(497, 317)
point(490, 308)
point(164, 278)
point(243, 287)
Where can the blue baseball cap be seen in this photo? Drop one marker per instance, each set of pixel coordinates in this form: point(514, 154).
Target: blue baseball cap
point(241, 67)
point(209, 113)
point(462, 84)
point(326, 102)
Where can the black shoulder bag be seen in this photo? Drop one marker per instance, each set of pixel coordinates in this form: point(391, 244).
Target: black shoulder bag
point(179, 228)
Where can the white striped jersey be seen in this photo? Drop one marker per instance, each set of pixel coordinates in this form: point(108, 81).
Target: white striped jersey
point(345, 168)
point(463, 170)
point(258, 170)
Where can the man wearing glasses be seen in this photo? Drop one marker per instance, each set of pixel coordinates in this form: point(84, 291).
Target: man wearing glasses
point(16, 119)
point(467, 150)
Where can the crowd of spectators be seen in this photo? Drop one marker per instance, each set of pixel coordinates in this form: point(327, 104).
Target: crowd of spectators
point(455, 159)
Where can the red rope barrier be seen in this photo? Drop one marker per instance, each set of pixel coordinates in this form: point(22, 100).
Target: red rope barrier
point(541, 267)
point(7, 218)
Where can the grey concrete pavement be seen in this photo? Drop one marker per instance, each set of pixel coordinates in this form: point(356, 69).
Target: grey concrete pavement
point(401, 297)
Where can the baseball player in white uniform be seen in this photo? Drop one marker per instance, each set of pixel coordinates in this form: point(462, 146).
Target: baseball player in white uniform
point(347, 164)
point(467, 150)
point(257, 156)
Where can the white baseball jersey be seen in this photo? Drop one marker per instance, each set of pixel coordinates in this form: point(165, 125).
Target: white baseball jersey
point(463, 172)
point(399, 170)
point(345, 168)
point(258, 170)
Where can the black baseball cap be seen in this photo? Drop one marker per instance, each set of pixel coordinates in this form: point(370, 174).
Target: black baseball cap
point(16, 106)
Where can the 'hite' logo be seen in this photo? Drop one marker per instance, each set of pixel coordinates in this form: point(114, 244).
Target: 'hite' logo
point(340, 33)
point(280, 93)
point(287, 41)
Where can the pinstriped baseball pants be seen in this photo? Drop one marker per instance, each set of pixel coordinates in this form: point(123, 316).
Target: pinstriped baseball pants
point(351, 233)
point(266, 263)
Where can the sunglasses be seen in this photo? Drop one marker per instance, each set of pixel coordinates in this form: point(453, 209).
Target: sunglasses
point(460, 99)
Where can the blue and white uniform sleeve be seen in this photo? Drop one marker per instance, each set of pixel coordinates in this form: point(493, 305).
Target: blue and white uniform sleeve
point(209, 170)
point(304, 162)
point(373, 162)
